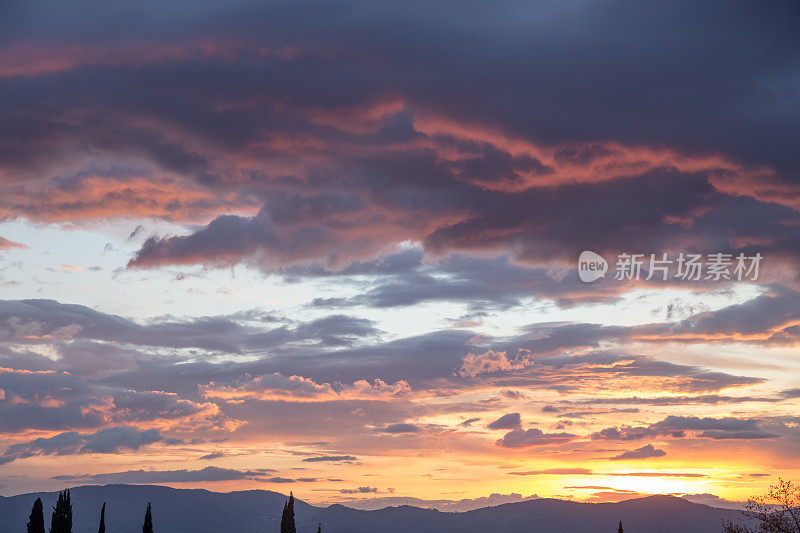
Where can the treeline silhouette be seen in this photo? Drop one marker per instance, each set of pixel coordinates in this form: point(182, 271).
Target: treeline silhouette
point(61, 519)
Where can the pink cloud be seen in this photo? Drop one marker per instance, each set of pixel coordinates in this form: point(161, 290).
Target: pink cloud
point(30, 58)
point(5, 244)
point(277, 387)
point(105, 197)
point(491, 362)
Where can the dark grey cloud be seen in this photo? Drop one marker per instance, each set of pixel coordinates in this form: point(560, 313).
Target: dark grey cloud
point(326, 71)
point(429, 361)
point(93, 348)
point(770, 317)
point(359, 490)
point(237, 333)
point(48, 317)
point(415, 359)
point(645, 452)
point(209, 473)
point(569, 219)
point(290, 480)
point(508, 421)
point(330, 459)
point(110, 440)
point(767, 318)
point(212, 455)
point(557, 372)
point(480, 282)
point(400, 428)
point(520, 438)
point(715, 428)
point(55, 400)
point(726, 428)
point(710, 399)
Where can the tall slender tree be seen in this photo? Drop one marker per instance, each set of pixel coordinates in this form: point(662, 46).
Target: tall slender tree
point(55, 518)
point(287, 518)
point(36, 520)
point(319, 528)
point(61, 521)
point(148, 520)
point(620, 527)
point(102, 528)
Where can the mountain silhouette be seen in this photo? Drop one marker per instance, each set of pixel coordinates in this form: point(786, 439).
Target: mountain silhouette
point(259, 511)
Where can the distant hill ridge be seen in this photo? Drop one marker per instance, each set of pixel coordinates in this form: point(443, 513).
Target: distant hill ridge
point(258, 511)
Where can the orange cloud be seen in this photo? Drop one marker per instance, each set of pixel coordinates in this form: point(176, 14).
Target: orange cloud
point(579, 162)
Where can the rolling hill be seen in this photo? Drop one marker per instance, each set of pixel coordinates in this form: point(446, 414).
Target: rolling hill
point(258, 511)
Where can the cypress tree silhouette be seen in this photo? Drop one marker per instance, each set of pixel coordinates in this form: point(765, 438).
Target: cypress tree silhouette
point(148, 521)
point(102, 528)
point(55, 518)
point(319, 528)
point(620, 527)
point(36, 520)
point(61, 521)
point(287, 518)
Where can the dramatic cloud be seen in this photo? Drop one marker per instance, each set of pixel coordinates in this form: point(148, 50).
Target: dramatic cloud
point(346, 128)
point(316, 237)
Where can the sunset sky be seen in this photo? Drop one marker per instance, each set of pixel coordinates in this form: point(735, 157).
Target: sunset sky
point(332, 247)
